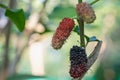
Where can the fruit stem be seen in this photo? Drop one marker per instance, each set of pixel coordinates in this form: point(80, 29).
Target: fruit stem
point(79, 1)
point(81, 25)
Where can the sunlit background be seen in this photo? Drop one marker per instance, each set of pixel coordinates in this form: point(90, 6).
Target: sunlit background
point(31, 56)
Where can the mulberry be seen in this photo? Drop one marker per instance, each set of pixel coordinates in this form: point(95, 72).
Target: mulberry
point(86, 12)
point(78, 59)
point(62, 32)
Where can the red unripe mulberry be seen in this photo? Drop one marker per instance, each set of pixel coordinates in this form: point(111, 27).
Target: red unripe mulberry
point(62, 32)
point(86, 12)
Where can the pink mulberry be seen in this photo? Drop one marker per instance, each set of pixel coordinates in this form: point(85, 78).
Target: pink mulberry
point(86, 12)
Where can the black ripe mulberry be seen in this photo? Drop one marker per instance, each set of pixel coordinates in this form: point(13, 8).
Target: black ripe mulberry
point(78, 59)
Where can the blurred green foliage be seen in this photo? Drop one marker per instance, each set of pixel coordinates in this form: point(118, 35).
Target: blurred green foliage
point(60, 12)
point(106, 27)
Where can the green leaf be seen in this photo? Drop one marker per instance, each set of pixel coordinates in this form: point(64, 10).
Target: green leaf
point(90, 39)
point(3, 6)
point(17, 17)
point(93, 38)
point(77, 29)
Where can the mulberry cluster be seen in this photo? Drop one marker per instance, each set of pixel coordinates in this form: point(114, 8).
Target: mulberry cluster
point(62, 32)
point(86, 12)
point(78, 61)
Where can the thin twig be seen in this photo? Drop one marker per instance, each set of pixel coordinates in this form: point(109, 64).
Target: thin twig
point(94, 2)
point(93, 57)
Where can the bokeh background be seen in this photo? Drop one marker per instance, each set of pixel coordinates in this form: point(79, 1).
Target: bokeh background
point(28, 55)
